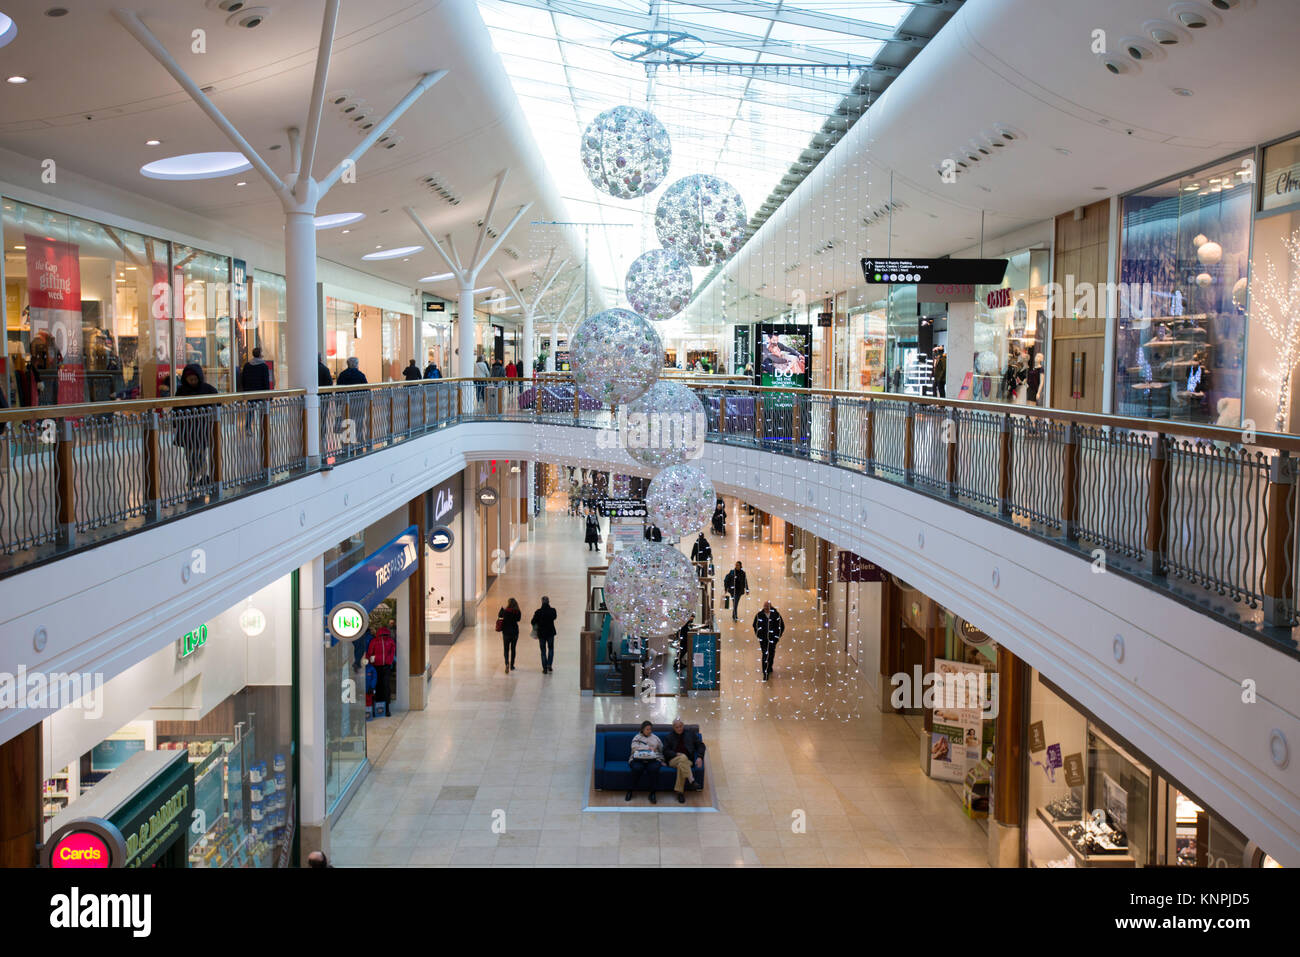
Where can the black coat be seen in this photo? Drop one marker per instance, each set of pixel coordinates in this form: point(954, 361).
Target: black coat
point(769, 627)
point(351, 376)
point(701, 551)
point(510, 622)
point(652, 534)
point(323, 374)
point(193, 423)
point(689, 743)
point(255, 377)
point(544, 621)
point(736, 583)
point(593, 531)
point(412, 373)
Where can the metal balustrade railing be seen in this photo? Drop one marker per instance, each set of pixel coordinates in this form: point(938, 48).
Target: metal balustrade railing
point(1189, 506)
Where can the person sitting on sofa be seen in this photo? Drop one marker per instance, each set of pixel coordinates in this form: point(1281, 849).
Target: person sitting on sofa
point(684, 751)
point(647, 757)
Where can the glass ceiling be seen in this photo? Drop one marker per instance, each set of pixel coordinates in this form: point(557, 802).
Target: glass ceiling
point(744, 125)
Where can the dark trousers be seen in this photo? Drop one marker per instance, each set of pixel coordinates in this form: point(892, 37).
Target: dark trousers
point(735, 606)
point(508, 643)
point(546, 645)
point(645, 774)
point(384, 686)
point(769, 656)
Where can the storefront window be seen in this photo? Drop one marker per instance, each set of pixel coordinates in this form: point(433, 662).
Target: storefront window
point(443, 508)
point(221, 692)
point(383, 340)
point(204, 287)
point(1183, 274)
point(438, 344)
point(80, 315)
point(266, 326)
point(1010, 331)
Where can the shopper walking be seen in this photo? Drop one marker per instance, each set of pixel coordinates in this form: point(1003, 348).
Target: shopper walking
point(543, 623)
point(431, 371)
point(593, 532)
point(412, 372)
point(193, 425)
point(652, 534)
point(702, 551)
point(255, 376)
point(646, 759)
point(508, 624)
point(720, 518)
point(382, 652)
point(769, 626)
point(352, 375)
point(735, 586)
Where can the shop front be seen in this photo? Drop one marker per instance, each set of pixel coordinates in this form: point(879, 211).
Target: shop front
point(198, 742)
point(380, 335)
point(1093, 800)
point(443, 613)
point(1010, 332)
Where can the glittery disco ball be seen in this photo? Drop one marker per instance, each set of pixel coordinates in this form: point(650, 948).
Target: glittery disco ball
point(616, 356)
point(680, 500)
point(651, 589)
point(626, 152)
point(702, 218)
point(659, 284)
point(666, 426)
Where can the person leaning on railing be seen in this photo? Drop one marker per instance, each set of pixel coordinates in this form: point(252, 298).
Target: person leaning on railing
point(193, 425)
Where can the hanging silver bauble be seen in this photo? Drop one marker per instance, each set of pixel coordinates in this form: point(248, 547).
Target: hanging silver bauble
point(659, 284)
point(666, 426)
point(680, 500)
point(702, 218)
point(616, 356)
point(651, 589)
point(626, 152)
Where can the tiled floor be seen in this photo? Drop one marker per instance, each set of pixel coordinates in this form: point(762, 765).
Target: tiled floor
point(495, 771)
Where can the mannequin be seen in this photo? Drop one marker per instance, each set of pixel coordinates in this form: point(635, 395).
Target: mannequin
point(1034, 381)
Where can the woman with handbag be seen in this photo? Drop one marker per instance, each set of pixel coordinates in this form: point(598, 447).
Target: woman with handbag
point(508, 624)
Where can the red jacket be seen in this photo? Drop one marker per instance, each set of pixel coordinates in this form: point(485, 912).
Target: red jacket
point(382, 649)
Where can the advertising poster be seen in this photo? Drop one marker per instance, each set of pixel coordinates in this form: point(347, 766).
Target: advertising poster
point(784, 361)
point(54, 295)
point(957, 730)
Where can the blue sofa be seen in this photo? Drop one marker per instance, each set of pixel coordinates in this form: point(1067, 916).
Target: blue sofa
point(614, 747)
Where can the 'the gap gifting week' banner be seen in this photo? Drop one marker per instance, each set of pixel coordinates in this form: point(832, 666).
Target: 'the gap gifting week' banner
point(54, 294)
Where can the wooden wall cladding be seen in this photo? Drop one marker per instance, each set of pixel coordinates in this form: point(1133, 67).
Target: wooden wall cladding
point(1078, 344)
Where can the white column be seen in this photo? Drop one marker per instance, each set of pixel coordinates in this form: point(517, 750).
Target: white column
point(550, 357)
point(526, 470)
point(402, 669)
point(961, 345)
point(526, 348)
point(300, 309)
point(465, 368)
point(311, 705)
point(469, 548)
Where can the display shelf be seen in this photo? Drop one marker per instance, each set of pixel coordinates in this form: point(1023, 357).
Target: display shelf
point(1081, 859)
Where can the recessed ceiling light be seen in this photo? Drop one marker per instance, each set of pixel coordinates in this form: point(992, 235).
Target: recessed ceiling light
point(17, 80)
point(8, 29)
point(330, 220)
point(441, 277)
point(1191, 187)
point(393, 253)
point(196, 166)
point(20, 248)
point(241, 183)
point(153, 142)
point(346, 231)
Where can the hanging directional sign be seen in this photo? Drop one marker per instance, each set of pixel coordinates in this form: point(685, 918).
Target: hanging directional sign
point(977, 272)
point(487, 496)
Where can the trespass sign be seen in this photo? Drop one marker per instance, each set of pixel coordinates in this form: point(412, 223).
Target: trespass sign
point(348, 620)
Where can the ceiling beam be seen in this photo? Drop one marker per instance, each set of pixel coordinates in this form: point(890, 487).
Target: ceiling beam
point(780, 13)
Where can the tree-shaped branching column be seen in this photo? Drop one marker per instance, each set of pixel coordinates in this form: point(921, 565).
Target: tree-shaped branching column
point(1275, 305)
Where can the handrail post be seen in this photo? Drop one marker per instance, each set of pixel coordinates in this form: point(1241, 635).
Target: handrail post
point(950, 434)
point(306, 426)
point(218, 467)
point(869, 440)
point(909, 440)
point(760, 427)
point(1279, 584)
point(1158, 505)
point(372, 433)
point(722, 413)
point(152, 467)
point(832, 431)
point(1070, 483)
point(65, 483)
point(266, 441)
point(460, 400)
point(1005, 447)
point(577, 404)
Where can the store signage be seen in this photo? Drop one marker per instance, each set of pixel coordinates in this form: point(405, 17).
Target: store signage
point(972, 635)
point(252, 621)
point(192, 641)
point(87, 843)
point(443, 501)
point(999, 299)
point(824, 318)
point(855, 568)
point(238, 278)
point(370, 582)
point(975, 272)
point(435, 307)
point(1074, 770)
point(621, 507)
point(348, 621)
point(945, 292)
point(441, 538)
point(1037, 738)
point(1281, 185)
point(487, 496)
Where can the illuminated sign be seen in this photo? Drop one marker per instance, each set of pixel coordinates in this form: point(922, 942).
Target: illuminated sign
point(975, 272)
point(487, 496)
point(348, 620)
point(80, 849)
point(441, 538)
point(192, 641)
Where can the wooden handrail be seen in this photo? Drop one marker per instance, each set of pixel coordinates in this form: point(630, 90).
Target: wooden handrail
point(27, 413)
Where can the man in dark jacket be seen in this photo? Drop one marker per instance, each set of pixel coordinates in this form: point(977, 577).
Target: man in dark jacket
point(702, 551)
point(684, 750)
point(254, 377)
point(412, 372)
point(768, 629)
point(352, 375)
point(193, 424)
point(736, 584)
point(652, 534)
point(544, 622)
point(323, 374)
